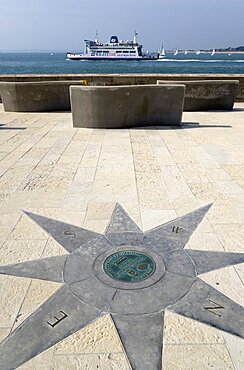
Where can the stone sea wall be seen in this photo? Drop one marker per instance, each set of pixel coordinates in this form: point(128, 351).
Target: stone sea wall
point(128, 79)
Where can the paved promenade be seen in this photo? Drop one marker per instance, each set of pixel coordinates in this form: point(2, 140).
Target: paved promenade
point(156, 174)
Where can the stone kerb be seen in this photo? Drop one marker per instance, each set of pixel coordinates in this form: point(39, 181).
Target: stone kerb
point(127, 106)
point(41, 96)
point(208, 94)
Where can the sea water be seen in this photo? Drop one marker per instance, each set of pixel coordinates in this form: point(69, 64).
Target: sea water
point(56, 63)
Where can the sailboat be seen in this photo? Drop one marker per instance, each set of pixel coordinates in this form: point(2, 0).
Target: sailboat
point(213, 52)
point(176, 52)
point(162, 53)
point(198, 52)
point(186, 52)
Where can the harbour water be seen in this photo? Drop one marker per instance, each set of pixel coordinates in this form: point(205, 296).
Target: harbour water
point(56, 63)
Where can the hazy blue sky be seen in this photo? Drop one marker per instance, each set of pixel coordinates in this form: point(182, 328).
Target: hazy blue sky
point(63, 24)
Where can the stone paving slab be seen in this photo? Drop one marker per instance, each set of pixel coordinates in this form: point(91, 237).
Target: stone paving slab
point(76, 176)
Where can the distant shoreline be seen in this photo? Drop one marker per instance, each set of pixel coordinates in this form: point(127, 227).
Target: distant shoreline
point(204, 52)
point(229, 52)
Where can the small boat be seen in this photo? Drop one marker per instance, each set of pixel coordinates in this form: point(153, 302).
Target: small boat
point(213, 52)
point(176, 52)
point(186, 52)
point(198, 52)
point(162, 53)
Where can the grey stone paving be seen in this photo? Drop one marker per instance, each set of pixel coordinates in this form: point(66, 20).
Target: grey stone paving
point(137, 307)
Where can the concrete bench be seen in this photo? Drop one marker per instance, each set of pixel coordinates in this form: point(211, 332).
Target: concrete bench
point(43, 96)
point(208, 94)
point(127, 106)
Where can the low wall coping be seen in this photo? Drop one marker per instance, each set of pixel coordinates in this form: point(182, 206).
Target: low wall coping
point(36, 83)
point(201, 82)
point(121, 87)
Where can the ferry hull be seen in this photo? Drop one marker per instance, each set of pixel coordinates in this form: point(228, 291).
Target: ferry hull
point(85, 58)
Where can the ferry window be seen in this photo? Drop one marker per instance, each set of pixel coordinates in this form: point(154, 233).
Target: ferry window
point(118, 51)
point(92, 54)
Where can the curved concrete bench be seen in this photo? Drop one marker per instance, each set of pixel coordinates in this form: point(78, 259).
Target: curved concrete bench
point(127, 106)
point(43, 96)
point(208, 94)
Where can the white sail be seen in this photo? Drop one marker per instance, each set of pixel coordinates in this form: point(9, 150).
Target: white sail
point(198, 52)
point(213, 52)
point(176, 52)
point(186, 52)
point(162, 53)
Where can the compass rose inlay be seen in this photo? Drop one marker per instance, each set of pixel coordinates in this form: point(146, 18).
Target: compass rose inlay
point(131, 275)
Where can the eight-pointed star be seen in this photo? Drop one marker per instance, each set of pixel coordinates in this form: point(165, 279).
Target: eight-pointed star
point(131, 275)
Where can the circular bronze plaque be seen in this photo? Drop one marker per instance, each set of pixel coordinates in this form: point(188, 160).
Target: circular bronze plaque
point(129, 266)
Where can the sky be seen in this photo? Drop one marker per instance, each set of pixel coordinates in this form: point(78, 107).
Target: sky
point(64, 24)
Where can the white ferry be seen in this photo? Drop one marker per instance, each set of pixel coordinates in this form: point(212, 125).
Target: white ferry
point(114, 50)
